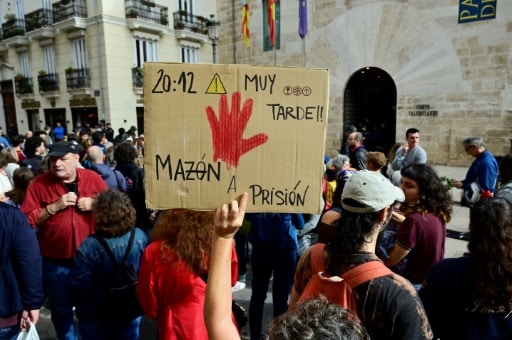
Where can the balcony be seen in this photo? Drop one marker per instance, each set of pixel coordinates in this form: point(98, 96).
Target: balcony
point(42, 18)
point(138, 76)
point(190, 27)
point(69, 15)
point(146, 16)
point(77, 80)
point(39, 24)
point(190, 22)
point(48, 82)
point(23, 85)
point(13, 27)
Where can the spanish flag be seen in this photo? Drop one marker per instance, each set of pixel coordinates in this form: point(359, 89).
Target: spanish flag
point(246, 23)
point(271, 16)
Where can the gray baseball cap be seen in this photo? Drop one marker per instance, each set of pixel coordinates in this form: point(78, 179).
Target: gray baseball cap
point(371, 190)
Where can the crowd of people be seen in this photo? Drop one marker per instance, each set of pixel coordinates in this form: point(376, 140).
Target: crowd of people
point(63, 194)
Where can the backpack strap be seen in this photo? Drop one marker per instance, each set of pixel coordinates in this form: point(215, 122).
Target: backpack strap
point(102, 241)
point(317, 258)
point(365, 272)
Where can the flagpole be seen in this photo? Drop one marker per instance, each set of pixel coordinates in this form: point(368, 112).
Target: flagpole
point(303, 52)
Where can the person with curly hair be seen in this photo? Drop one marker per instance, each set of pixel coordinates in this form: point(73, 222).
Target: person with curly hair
point(114, 221)
point(174, 273)
point(421, 236)
point(471, 297)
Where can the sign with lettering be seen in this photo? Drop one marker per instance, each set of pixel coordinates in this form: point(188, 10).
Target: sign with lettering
point(82, 101)
point(215, 131)
point(423, 110)
point(475, 10)
point(30, 104)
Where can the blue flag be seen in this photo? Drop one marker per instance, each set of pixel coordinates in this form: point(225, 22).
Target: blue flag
point(303, 18)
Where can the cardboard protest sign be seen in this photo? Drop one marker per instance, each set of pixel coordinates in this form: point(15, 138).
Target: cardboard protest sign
point(215, 131)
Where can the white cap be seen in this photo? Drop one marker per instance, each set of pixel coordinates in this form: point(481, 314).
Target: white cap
point(371, 190)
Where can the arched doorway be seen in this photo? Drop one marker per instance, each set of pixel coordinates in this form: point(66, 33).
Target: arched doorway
point(370, 105)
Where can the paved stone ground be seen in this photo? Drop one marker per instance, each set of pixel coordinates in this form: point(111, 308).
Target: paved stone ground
point(454, 248)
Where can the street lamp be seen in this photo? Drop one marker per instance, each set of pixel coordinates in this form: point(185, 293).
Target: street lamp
point(213, 34)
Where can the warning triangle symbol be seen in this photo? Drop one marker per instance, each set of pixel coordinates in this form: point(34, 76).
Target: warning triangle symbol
point(216, 86)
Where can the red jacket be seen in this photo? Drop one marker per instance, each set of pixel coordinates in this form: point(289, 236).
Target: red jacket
point(172, 294)
point(61, 235)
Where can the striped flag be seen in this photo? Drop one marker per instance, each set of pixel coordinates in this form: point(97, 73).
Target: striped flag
point(246, 23)
point(303, 18)
point(271, 17)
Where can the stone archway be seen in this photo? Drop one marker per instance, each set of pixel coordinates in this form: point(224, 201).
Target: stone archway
point(370, 100)
point(413, 49)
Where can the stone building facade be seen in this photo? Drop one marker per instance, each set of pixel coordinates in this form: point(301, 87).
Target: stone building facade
point(453, 80)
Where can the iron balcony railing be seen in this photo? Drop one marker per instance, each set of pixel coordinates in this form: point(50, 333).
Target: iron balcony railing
point(48, 82)
point(147, 11)
point(77, 78)
point(66, 9)
point(13, 27)
point(23, 85)
point(137, 77)
point(186, 21)
point(41, 18)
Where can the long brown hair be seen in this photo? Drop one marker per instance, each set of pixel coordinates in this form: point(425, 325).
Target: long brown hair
point(21, 178)
point(189, 233)
point(490, 237)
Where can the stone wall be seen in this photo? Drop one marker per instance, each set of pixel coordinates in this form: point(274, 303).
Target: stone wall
point(453, 80)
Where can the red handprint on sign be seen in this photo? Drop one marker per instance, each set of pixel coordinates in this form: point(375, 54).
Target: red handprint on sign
point(228, 130)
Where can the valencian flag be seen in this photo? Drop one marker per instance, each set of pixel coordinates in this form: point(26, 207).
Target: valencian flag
point(303, 18)
point(271, 17)
point(245, 23)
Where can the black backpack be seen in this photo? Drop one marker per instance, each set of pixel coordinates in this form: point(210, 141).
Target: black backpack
point(121, 302)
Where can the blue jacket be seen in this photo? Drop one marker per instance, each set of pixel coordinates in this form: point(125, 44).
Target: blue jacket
point(21, 283)
point(484, 171)
point(113, 178)
point(275, 230)
point(91, 266)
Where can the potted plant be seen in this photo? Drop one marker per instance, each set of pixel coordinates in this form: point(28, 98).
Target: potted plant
point(179, 25)
point(132, 13)
point(42, 72)
point(70, 69)
point(10, 17)
point(163, 19)
point(19, 76)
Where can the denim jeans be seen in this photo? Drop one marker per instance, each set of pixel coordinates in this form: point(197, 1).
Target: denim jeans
point(95, 330)
point(266, 261)
point(56, 287)
point(10, 333)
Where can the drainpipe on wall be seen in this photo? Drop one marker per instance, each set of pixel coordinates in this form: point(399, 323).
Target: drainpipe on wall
point(100, 61)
